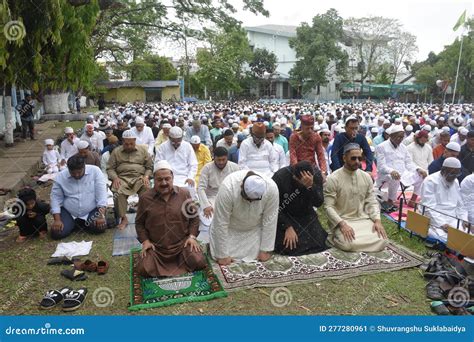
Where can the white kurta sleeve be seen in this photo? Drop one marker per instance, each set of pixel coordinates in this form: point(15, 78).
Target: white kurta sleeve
point(428, 199)
point(160, 153)
point(382, 166)
point(269, 219)
point(409, 164)
point(193, 163)
point(273, 159)
point(202, 186)
point(243, 156)
point(219, 230)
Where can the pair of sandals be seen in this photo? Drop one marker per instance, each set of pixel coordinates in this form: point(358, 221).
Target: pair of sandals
point(101, 267)
point(72, 300)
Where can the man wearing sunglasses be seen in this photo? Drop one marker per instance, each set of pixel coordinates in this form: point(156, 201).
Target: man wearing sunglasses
point(352, 210)
point(245, 218)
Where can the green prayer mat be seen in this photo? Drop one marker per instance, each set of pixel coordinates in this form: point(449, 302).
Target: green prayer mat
point(148, 293)
point(333, 263)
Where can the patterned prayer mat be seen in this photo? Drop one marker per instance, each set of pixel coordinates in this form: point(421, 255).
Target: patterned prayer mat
point(148, 293)
point(330, 264)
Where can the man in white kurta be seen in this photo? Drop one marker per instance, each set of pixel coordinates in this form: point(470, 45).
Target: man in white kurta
point(95, 139)
point(68, 146)
point(442, 201)
point(422, 155)
point(352, 210)
point(467, 194)
point(257, 154)
point(180, 155)
point(394, 164)
point(144, 134)
point(245, 218)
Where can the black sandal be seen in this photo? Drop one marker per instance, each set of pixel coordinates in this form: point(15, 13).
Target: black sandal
point(74, 275)
point(62, 261)
point(74, 299)
point(53, 298)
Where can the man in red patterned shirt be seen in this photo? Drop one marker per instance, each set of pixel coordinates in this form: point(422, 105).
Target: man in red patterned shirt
point(304, 145)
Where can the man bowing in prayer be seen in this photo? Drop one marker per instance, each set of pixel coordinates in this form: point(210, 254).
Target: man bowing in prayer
point(352, 210)
point(129, 169)
point(166, 231)
point(298, 230)
point(245, 218)
point(441, 196)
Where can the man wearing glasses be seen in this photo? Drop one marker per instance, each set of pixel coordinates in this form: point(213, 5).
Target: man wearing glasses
point(245, 218)
point(352, 210)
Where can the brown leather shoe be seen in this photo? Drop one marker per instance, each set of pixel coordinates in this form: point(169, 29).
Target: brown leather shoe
point(87, 265)
point(102, 267)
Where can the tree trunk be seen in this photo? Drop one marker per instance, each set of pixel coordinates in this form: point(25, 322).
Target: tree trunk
point(56, 103)
point(8, 115)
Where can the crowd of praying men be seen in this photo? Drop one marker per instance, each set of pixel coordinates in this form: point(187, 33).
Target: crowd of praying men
point(250, 175)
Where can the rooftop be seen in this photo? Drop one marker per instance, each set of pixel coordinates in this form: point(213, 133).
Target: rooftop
point(142, 84)
point(277, 30)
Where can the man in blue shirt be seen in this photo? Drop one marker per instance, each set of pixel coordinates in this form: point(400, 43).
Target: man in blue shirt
point(78, 199)
point(350, 136)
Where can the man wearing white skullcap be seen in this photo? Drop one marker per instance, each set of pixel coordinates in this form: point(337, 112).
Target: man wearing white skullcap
point(202, 131)
point(90, 157)
point(203, 155)
point(163, 135)
point(95, 139)
point(395, 165)
point(409, 135)
point(68, 146)
point(51, 158)
point(167, 226)
point(442, 201)
point(245, 218)
point(129, 168)
point(452, 150)
point(180, 154)
point(144, 135)
point(460, 136)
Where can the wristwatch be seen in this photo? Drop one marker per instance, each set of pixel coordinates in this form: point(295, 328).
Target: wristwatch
point(191, 236)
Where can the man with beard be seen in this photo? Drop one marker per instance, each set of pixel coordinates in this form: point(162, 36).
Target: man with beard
point(422, 156)
point(441, 196)
point(279, 152)
point(168, 236)
point(280, 139)
point(452, 150)
point(68, 146)
point(325, 135)
point(299, 231)
point(90, 157)
point(129, 169)
point(350, 136)
point(443, 141)
point(144, 135)
point(352, 210)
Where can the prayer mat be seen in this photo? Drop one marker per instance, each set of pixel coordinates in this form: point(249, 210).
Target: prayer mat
point(331, 264)
point(126, 239)
point(148, 293)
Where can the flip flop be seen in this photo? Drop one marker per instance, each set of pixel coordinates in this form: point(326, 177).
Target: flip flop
point(439, 308)
point(74, 299)
point(74, 275)
point(53, 298)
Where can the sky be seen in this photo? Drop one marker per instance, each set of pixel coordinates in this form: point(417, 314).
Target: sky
point(431, 21)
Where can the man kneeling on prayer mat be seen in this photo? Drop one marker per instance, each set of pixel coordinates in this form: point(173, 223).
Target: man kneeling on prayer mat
point(301, 189)
point(166, 231)
point(129, 169)
point(441, 196)
point(352, 210)
point(245, 218)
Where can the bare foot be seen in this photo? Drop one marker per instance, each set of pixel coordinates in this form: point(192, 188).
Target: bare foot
point(123, 223)
point(43, 235)
point(21, 239)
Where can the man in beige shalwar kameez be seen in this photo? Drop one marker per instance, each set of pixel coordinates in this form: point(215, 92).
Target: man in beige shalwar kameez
point(129, 168)
point(351, 207)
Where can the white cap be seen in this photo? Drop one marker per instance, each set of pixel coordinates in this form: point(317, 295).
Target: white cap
point(452, 162)
point(395, 129)
point(352, 117)
point(276, 125)
point(386, 121)
point(68, 130)
point(195, 139)
point(398, 120)
point(463, 131)
point(166, 125)
point(427, 128)
point(254, 187)
point(374, 130)
point(446, 129)
point(139, 121)
point(129, 134)
point(49, 142)
point(82, 144)
point(325, 130)
point(176, 132)
point(163, 165)
point(235, 125)
point(409, 128)
point(453, 146)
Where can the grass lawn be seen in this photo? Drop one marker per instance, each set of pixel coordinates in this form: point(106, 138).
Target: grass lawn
point(26, 277)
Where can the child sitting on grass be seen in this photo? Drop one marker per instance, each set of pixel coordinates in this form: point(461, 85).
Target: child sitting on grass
point(32, 221)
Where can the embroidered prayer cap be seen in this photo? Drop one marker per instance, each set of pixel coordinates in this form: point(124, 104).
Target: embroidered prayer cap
point(82, 144)
point(176, 132)
point(325, 130)
point(166, 125)
point(395, 129)
point(129, 134)
point(350, 147)
point(139, 120)
point(68, 130)
point(49, 142)
point(427, 128)
point(255, 187)
point(452, 162)
point(195, 139)
point(454, 146)
point(374, 130)
point(463, 131)
point(163, 165)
